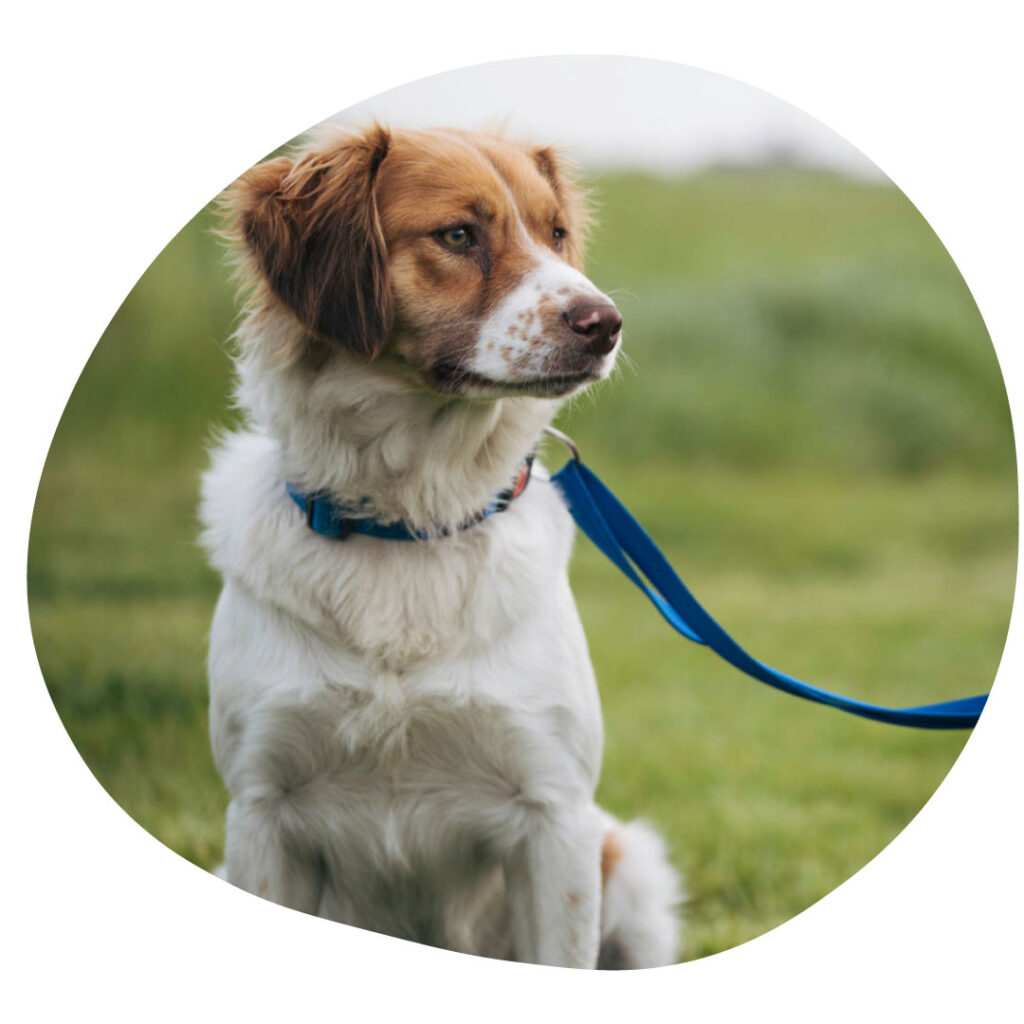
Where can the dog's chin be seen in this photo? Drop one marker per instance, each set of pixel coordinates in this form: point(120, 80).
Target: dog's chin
point(453, 380)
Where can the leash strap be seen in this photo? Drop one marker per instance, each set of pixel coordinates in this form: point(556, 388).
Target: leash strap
point(606, 521)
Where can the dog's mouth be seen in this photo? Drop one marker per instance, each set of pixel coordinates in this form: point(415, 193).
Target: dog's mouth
point(450, 378)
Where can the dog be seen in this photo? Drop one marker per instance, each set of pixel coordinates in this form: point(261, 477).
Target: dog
point(404, 712)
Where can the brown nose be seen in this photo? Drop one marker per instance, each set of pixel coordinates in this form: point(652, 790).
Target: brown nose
point(597, 322)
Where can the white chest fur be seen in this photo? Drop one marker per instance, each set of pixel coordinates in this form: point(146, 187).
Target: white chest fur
point(401, 705)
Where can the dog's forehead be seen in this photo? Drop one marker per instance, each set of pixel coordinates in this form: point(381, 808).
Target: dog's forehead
point(449, 173)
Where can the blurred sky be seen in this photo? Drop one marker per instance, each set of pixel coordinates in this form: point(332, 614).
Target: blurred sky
point(621, 112)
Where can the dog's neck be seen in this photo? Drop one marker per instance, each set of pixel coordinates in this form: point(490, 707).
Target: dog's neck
point(368, 434)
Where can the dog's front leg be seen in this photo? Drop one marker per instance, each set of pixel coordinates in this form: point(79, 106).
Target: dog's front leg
point(260, 859)
point(554, 889)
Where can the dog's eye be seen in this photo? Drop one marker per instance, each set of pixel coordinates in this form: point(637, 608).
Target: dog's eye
point(558, 236)
point(456, 238)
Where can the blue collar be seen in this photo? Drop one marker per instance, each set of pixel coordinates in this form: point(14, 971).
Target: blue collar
point(331, 519)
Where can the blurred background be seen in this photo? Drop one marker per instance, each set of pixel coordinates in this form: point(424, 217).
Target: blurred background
point(812, 424)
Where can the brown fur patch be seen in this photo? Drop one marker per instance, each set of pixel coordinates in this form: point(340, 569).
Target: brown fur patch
point(347, 234)
point(611, 854)
point(313, 231)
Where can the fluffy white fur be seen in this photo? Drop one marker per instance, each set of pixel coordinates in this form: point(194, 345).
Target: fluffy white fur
point(410, 731)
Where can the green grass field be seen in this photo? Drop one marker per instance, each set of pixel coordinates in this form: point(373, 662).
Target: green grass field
point(813, 426)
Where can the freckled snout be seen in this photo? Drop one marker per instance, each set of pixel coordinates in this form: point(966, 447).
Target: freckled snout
point(597, 322)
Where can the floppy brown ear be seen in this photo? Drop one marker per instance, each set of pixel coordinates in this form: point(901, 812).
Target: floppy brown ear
point(563, 177)
point(313, 230)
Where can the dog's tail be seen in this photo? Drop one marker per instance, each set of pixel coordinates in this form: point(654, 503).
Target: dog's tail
point(642, 897)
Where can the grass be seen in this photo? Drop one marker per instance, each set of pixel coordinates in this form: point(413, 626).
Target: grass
point(814, 428)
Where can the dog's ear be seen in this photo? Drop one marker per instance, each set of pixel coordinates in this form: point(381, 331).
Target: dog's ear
point(313, 230)
point(563, 177)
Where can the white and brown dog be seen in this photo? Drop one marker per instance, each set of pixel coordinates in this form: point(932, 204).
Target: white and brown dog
point(410, 732)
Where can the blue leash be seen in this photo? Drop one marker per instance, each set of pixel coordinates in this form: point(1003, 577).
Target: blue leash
point(606, 521)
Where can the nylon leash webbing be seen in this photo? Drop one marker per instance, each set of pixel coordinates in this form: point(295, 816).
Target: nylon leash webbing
point(611, 527)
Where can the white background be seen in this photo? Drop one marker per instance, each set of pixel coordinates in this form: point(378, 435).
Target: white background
point(122, 121)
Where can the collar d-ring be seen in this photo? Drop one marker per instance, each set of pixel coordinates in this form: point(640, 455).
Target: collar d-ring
point(566, 440)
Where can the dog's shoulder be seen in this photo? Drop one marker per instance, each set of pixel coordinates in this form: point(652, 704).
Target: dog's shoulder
point(241, 498)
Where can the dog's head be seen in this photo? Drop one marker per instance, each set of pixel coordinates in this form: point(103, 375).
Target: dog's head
point(454, 256)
